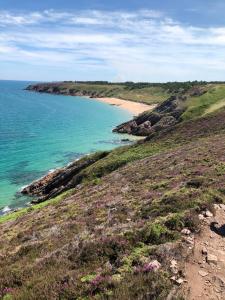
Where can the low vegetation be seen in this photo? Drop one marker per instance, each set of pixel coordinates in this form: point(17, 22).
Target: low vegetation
point(149, 93)
point(99, 240)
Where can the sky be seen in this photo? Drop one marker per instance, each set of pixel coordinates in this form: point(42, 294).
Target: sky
point(125, 40)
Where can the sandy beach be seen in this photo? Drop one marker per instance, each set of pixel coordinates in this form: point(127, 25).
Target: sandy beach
point(133, 107)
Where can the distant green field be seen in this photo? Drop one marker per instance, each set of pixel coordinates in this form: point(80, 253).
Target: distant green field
point(148, 95)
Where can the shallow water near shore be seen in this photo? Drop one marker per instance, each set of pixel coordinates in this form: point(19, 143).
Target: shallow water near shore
point(40, 132)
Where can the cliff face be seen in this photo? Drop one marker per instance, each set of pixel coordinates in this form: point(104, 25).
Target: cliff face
point(163, 116)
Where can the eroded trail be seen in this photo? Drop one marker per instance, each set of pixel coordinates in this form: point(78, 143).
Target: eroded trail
point(205, 270)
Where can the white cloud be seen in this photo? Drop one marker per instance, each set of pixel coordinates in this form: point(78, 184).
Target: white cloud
point(142, 45)
point(7, 18)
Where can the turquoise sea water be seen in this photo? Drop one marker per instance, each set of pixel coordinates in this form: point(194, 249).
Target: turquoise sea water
point(39, 132)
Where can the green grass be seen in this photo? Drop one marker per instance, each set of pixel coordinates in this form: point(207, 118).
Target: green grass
point(212, 100)
point(105, 232)
point(122, 156)
point(148, 95)
point(15, 215)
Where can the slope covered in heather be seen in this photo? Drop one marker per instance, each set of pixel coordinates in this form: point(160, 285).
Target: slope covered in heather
point(113, 234)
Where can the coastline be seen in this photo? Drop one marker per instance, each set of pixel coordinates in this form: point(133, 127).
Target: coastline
point(131, 106)
point(125, 139)
point(134, 107)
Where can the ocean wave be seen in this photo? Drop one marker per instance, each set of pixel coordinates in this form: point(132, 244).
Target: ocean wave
point(6, 210)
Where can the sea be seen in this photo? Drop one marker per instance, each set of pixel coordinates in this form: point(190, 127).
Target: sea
point(42, 132)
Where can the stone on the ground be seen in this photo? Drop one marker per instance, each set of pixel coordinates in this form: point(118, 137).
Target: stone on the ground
point(217, 206)
point(222, 206)
point(203, 273)
point(190, 240)
point(211, 258)
point(208, 214)
point(179, 281)
point(201, 217)
point(204, 251)
point(186, 231)
point(156, 265)
point(173, 266)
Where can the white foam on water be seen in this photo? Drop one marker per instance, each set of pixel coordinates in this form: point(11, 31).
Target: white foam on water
point(6, 209)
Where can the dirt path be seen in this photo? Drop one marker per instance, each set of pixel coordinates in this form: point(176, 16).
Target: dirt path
point(205, 270)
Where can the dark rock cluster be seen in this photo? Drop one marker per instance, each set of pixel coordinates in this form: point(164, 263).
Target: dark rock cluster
point(163, 116)
point(61, 180)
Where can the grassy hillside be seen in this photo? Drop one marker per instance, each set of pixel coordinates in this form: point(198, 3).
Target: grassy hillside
point(98, 240)
point(212, 100)
point(122, 212)
point(194, 102)
point(149, 93)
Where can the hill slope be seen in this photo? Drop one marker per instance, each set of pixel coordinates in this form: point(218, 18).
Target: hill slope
point(116, 229)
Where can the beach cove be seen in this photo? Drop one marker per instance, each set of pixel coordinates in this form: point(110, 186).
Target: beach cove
point(41, 132)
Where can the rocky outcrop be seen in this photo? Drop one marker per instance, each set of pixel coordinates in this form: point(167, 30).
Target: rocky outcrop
point(163, 116)
point(59, 88)
point(62, 179)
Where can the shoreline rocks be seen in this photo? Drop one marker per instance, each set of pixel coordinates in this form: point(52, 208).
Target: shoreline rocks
point(162, 117)
point(61, 180)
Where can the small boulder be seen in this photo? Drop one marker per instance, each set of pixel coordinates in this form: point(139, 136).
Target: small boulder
point(173, 266)
point(212, 259)
point(156, 265)
point(204, 251)
point(190, 240)
point(208, 214)
point(186, 231)
point(177, 280)
point(222, 206)
point(201, 217)
point(203, 273)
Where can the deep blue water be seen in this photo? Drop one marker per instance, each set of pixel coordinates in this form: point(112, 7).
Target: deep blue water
point(39, 132)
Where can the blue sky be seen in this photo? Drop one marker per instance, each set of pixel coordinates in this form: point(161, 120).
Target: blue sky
point(112, 40)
